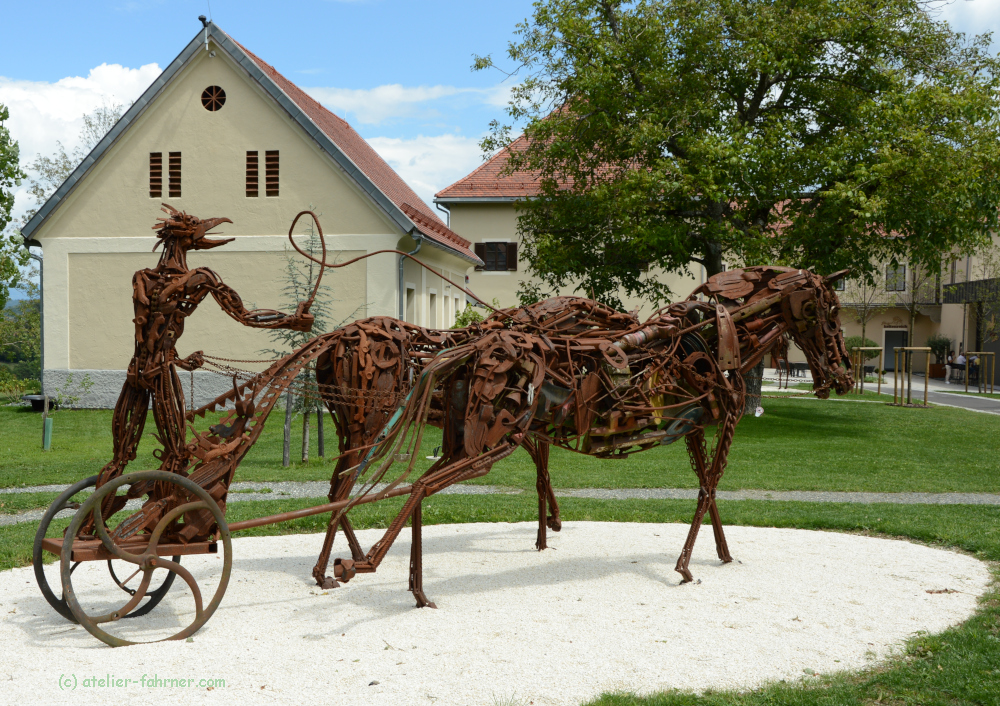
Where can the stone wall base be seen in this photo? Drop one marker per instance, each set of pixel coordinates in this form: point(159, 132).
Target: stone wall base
point(108, 385)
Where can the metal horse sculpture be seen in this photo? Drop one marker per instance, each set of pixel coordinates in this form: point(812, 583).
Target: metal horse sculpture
point(572, 373)
point(566, 371)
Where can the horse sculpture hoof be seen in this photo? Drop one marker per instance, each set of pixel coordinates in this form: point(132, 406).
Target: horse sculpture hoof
point(145, 555)
point(328, 583)
point(422, 600)
point(554, 523)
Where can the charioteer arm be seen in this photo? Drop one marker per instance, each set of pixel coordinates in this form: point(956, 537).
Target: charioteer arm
point(232, 304)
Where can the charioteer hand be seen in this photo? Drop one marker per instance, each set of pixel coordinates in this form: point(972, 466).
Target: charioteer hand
point(192, 362)
point(302, 320)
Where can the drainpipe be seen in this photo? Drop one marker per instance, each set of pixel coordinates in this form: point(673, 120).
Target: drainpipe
point(41, 309)
point(446, 211)
point(415, 234)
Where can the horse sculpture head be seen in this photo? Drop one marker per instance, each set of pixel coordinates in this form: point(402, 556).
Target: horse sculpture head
point(759, 308)
point(814, 310)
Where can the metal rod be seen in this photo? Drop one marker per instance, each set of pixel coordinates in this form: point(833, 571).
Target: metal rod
point(317, 510)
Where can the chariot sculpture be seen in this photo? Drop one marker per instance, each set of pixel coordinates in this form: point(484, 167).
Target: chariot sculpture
point(567, 372)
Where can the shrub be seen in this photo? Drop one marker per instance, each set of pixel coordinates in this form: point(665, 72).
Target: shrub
point(939, 345)
point(471, 315)
point(858, 342)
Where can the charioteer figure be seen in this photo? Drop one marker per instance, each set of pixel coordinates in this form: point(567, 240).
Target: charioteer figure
point(163, 298)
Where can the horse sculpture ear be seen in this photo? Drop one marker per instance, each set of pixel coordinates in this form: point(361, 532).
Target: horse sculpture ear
point(830, 279)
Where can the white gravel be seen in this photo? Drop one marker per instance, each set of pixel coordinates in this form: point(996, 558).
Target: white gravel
point(602, 610)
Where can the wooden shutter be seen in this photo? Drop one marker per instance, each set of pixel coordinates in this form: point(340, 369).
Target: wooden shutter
point(512, 257)
point(174, 180)
point(480, 250)
point(155, 175)
point(253, 174)
point(271, 173)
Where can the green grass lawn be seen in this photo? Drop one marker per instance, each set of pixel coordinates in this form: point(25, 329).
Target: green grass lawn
point(958, 667)
point(798, 444)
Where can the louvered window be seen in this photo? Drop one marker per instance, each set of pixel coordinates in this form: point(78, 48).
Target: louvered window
point(155, 175)
point(253, 179)
point(271, 172)
point(175, 175)
point(497, 257)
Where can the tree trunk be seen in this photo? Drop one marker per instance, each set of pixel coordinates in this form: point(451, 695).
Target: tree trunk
point(305, 435)
point(319, 431)
point(286, 451)
point(753, 381)
point(712, 259)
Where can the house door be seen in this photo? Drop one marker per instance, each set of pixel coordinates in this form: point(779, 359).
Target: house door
point(893, 340)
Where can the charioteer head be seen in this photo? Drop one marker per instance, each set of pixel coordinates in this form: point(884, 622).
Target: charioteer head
point(178, 232)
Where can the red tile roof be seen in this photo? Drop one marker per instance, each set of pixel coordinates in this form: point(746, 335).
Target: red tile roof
point(369, 162)
point(487, 181)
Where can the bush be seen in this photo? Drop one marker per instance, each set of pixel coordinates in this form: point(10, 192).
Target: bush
point(858, 342)
point(467, 317)
point(471, 315)
point(939, 345)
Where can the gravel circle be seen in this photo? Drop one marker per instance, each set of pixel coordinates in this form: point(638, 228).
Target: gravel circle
point(601, 610)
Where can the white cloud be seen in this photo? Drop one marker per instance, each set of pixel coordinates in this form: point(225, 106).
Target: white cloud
point(42, 112)
point(372, 106)
point(428, 164)
point(973, 16)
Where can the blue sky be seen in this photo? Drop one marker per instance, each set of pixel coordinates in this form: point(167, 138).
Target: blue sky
point(399, 72)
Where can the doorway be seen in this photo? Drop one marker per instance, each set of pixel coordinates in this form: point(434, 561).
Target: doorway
point(894, 339)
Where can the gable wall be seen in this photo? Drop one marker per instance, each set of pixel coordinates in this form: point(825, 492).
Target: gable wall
point(101, 233)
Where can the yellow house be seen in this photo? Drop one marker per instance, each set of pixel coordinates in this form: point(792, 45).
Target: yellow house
point(222, 133)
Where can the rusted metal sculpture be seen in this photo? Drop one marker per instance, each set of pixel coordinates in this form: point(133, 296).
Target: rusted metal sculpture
point(568, 372)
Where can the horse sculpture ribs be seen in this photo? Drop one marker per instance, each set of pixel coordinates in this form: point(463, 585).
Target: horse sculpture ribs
point(568, 372)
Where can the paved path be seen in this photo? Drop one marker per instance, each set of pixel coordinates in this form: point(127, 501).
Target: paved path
point(937, 393)
point(242, 492)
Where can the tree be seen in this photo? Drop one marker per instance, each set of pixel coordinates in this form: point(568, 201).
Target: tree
point(916, 289)
point(20, 334)
point(988, 307)
point(12, 255)
point(48, 173)
point(672, 132)
point(865, 300)
point(300, 279)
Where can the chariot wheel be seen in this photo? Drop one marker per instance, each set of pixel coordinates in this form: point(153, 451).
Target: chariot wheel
point(143, 553)
point(65, 502)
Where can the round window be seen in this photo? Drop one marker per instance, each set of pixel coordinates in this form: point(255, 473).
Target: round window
point(213, 98)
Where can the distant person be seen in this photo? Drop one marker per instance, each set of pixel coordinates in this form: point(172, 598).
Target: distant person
point(949, 365)
point(960, 362)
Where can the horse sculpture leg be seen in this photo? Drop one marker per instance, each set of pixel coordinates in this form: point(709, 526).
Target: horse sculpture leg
point(708, 479)
point(339, 490)
point(416, 561)
point(539, 452)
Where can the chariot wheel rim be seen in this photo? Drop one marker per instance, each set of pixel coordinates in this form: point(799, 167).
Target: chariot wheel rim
point(92, 507)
